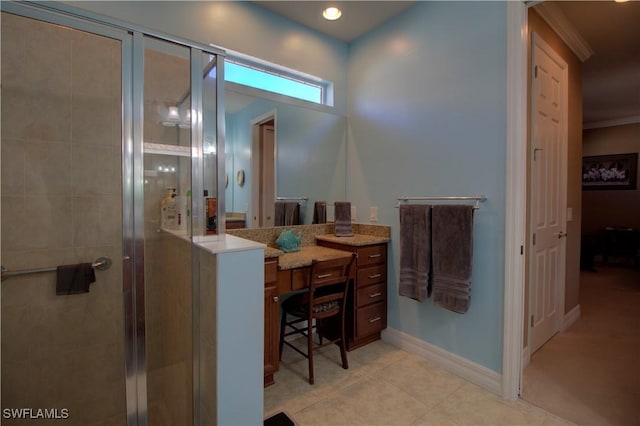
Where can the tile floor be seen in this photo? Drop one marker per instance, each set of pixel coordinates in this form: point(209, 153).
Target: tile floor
point(385, 385)
point(590, 373)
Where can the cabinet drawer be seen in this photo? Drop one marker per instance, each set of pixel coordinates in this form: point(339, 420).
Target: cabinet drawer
point(371, 319)
point(300, 278)
point(372, 255)
point(371, 294)
point(270, 271)
point(372, 275)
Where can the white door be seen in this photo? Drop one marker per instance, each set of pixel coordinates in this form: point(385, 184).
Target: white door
point(547, 192)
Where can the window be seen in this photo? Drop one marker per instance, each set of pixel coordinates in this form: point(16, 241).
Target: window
point(277, 81)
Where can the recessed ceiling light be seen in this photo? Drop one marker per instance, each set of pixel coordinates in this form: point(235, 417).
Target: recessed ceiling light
point(621, 1)
point(332, 13)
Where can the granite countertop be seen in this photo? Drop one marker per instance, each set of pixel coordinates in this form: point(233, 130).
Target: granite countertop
point(304, 257)
point(270, 252)
point(356, 240)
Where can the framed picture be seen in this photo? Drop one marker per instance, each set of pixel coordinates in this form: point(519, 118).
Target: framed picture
point(617, 171)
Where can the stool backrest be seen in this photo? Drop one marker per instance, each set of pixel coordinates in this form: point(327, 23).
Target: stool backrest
point(328, 286)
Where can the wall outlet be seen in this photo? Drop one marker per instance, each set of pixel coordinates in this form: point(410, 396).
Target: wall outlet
point(373, 214)
point(353, 213)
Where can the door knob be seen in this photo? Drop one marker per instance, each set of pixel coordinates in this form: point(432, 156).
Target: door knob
point(561, 234)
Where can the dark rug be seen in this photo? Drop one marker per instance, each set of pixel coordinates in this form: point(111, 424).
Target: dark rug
point(280, 419)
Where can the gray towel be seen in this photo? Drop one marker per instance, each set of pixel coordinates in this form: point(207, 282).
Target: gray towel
point(343, 219)
point(287, 213)
point(452, 251)
point(320, 212)
point(415, 251)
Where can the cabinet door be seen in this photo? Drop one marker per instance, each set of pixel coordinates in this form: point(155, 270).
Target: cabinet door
point(271, 334)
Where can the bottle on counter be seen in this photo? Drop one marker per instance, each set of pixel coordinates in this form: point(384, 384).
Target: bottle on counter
point(169, 210)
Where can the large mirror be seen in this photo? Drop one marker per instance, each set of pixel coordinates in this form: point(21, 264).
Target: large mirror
point(280, 149)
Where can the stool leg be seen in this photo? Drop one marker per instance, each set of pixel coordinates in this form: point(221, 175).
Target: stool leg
point(310, 350)
point(343, 346)
point(283, 323)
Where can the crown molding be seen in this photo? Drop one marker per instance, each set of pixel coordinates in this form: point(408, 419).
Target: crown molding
point(634, 119)
point(559, 22)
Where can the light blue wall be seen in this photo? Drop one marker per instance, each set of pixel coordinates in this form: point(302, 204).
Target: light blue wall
point(426, 109)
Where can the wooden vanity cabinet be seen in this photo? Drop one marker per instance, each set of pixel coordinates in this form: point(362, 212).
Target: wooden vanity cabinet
point(367, 299)
point(271, 321)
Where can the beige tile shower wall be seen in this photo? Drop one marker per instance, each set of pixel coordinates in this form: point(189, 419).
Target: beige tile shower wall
point(168, 301)
point(61, 204)
point(208, 339)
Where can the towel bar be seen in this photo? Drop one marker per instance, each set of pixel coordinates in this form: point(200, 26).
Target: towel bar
point(101, 264)
point(478, 199)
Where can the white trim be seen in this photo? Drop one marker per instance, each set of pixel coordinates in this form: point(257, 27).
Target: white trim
point(515, 204)
point(559, 23)
point(526, 357)
point(570, 318)
point(453, 363)
point(634, 119)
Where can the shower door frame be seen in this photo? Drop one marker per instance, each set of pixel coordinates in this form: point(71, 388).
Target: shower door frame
point(132, 79)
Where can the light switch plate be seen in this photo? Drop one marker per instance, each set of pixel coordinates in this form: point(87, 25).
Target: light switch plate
point(373, 214)
point(353, 213)
point(569, 214)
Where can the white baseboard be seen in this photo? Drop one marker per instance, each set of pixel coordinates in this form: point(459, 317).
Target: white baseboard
point(455, 364)
point(570, 318)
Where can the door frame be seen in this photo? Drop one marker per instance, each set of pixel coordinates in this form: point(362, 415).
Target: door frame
point(515, 198)
point(255, 159)
point(537, 40)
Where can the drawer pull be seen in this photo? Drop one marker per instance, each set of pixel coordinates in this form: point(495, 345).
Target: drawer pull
point(374, 276)
point(323, 276)
point(372, 295)
point(371, 256)
point(276, 299)
point(372, 320)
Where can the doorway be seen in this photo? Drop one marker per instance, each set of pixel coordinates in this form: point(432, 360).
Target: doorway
point(263, 160)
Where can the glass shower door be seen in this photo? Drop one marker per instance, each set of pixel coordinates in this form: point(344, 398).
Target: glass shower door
point(168, 228)
point(63, 347)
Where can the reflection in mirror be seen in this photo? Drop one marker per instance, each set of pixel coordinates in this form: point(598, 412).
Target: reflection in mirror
point(284, 150)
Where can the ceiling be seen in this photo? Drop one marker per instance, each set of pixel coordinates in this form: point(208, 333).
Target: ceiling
point(611, 86)
point(358, 17)
point(611, 76)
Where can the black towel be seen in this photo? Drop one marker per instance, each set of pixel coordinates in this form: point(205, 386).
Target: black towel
point(452, 252)
point(343, 219)
point(320, 212)
point(415, 251)
point(74, 279)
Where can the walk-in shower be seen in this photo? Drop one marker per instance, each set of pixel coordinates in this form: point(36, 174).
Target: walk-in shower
point(98, 120)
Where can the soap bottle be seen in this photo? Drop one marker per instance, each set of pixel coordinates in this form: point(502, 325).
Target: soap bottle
point(168, 210)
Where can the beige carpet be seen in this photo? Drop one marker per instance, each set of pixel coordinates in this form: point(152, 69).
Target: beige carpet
point(590, 374)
